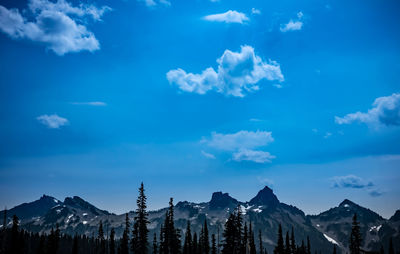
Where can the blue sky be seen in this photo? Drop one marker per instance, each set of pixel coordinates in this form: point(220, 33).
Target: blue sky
point(198, 96)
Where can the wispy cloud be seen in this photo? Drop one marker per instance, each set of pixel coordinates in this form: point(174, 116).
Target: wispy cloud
point(228, 17)
point(255, 11)
point(385, 112)
point(59, 25)
point(293, 25)
point(208, 155)
point(153, 3)
point(52, 121)
point(242, 145)
point(237, 73)
point(253, 155)
point(350, 181)
point(91, 103)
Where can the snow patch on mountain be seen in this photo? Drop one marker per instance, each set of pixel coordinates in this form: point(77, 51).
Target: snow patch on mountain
point(330, 239)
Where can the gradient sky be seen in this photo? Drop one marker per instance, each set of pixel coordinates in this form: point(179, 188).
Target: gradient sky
point(197, 96)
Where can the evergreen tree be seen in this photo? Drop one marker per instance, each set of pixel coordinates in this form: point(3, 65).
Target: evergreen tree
point(15, 245)
point(334, 249)
point(245, 239)
point(194, 244)
point(229, 236)
point(355, 237)
point(75, 245)
point(308, 245)
point(140, 244)
point(213, 244)
point(391, 249)
point(171, 243)
point(101, 239)
point(187, 246)
point(261, 248)
point(292, 242)
point(205, 241)
point(279, 248)
point(200, 248)
point(124, 242)
point(381, 251)
point(288, 248)
point(112, 242)
point(238, 229)
point(155, 245)
point(252, 243)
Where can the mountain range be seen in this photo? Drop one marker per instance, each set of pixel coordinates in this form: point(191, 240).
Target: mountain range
point(264, 211)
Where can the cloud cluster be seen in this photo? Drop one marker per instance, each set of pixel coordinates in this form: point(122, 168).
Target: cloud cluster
point(60, 26)
point(385, 111)
point(52, 121)
point(237, 73)
point(293, 25)
point(242, 145)
point(355, 182)
point(228, 17)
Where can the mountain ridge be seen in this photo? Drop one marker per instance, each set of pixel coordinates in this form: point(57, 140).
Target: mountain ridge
point(265, 211)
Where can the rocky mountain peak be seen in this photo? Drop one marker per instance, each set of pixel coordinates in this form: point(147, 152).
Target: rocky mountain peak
point(265, 197)
point(347, 203)
point(221, 200)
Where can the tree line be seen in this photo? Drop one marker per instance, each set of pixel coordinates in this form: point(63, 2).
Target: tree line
point(239, 238)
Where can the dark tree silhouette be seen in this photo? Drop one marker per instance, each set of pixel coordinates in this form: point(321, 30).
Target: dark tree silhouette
point(279, 248)
point(355, 237)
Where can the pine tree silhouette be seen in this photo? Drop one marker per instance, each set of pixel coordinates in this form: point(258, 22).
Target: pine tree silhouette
point(140, 243)
point(213, 244)
point(279, 248)
point(355, 237)
point(187, 246)
point(155, 245)
point(112, 242)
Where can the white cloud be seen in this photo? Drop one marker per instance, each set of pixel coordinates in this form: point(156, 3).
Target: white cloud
point(238, 72)
point(52, 121)
point(208, 155)
point(293, 25)
point(242, 144)
point(327, 135)
point(255, 11)
point(153, 3)
point(239, 140)
point(58, 25)
point(385, 112)
point(91, 103)
point(228, 17)
point(252, 155)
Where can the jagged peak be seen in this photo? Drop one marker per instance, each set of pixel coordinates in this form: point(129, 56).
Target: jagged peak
point(221, 200)
point(266, 197)
point(346, 203)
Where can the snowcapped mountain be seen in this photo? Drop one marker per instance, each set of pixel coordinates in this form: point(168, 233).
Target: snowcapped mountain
point(336, 223)
point(264, 211)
